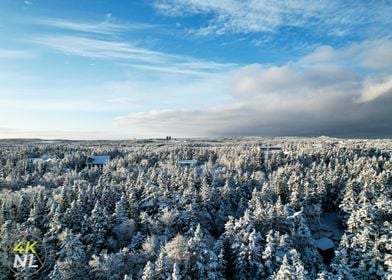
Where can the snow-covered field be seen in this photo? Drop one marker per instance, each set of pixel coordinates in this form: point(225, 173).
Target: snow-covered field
point(240, 210)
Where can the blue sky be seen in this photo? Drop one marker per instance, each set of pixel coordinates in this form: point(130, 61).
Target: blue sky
point(195, 68)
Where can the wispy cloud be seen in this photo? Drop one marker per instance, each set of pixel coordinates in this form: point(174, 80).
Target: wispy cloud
point(129, 54)
point(15, 54)
point(97, 48)
point(180, 68)
point(107, 26)
point(96, 40)
point(234, 16)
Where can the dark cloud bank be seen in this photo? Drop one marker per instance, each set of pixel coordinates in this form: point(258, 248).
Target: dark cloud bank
point(330, 92)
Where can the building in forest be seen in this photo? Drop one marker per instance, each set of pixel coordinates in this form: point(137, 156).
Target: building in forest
point(270, 148)
point(326, 248)
point(42, 159)
point(188, 162)
point(98, 161)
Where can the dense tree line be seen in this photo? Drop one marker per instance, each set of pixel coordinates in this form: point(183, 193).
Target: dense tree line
point(241, 213)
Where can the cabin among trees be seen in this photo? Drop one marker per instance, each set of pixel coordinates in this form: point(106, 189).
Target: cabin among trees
point(97, 161)
point(270, 148)
point(42, 159)
point(188, 162)
point(326, 248)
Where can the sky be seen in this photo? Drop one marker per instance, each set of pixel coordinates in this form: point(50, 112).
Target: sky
point(105, 69)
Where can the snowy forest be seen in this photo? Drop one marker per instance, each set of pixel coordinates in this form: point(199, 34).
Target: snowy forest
point(246, 208)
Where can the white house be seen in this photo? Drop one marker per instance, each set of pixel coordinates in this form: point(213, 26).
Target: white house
point(189, 162)
point(43, 159)
point(97, 161)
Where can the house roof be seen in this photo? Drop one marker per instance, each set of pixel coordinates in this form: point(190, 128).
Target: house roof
point(271, 147)
point(98, 159)
point(324, 243)
point(42, 158)
point(188, 161)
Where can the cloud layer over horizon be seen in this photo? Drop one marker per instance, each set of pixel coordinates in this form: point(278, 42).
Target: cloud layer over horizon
point(321, 93)
point(196, 68)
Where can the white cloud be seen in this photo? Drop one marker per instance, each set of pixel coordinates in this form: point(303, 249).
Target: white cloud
point(131, 55)
point(185, 122)
point(108, 26)
point(97, 48)
point(237, 16)
point(181, 69)
point(291, 79)
point(320, 54)
point(373, 90)
point(369, 54)
point(375, 54)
